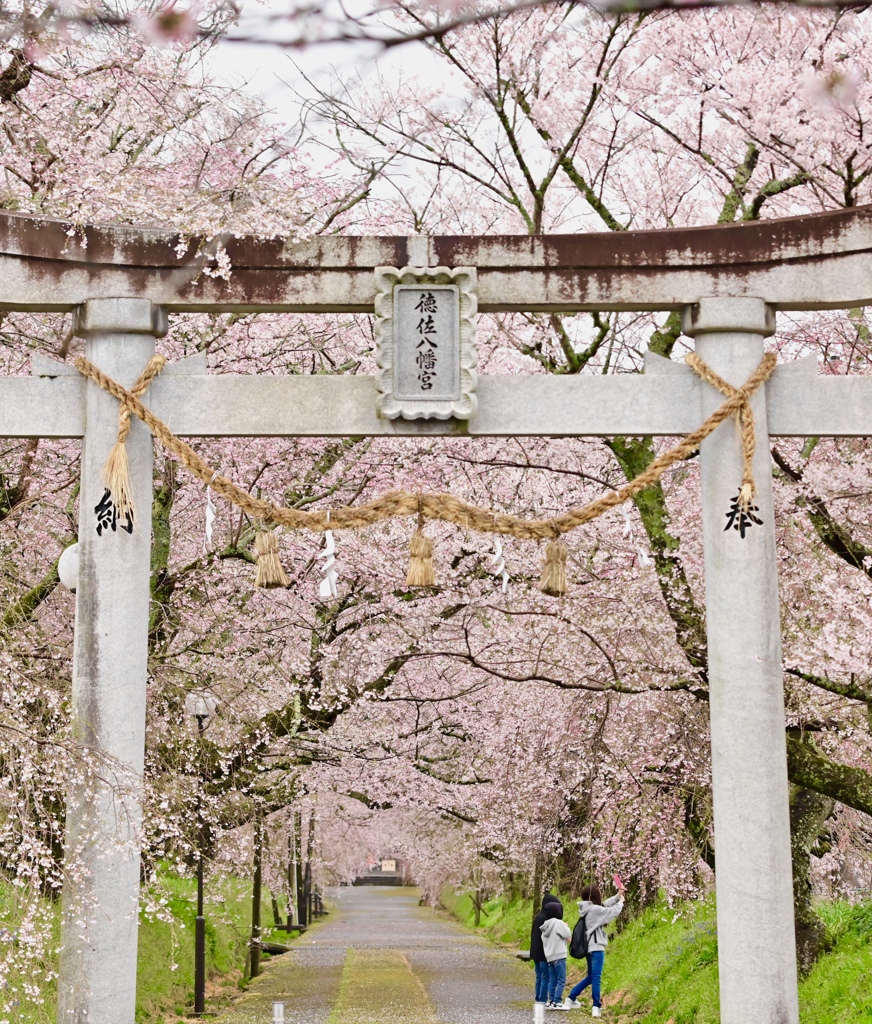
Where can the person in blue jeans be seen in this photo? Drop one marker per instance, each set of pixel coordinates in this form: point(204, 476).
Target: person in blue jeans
point(537, 951)
point(596, 915)
point(555, 942)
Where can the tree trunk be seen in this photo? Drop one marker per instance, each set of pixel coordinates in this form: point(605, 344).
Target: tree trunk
point(257, 888)
point(809, 812)
point(476, 899)
point(292, 870)
point(697, 821)
point(809, 768)
point(537, 885)
point(302, 915)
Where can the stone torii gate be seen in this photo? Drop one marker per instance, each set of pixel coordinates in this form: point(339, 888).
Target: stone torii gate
point(729, 281)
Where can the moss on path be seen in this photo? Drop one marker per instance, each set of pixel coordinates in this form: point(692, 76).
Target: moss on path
point(380, 985)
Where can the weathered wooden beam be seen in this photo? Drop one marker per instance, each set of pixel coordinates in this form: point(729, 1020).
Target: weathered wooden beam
point(314, 406)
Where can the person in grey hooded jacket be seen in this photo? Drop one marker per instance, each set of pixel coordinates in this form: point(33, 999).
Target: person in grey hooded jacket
point(596, 916)
point(555, 943)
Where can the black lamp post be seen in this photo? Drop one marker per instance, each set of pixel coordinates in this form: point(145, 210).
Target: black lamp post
point(201, 707)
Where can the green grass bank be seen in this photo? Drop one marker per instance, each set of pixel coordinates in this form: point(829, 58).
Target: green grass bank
point(663, 967)
point(165, 978)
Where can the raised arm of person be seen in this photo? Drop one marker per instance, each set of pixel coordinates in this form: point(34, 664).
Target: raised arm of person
point(611, 908)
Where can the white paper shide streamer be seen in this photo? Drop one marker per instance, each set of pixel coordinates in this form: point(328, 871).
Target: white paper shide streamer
point(499, 563)
point(328, 584)
point(644, 560)
point(628, 526)
point(210, 513)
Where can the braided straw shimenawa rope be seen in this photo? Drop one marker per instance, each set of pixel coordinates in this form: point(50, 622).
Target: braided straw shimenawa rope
point(116, 471)
point(447, 507)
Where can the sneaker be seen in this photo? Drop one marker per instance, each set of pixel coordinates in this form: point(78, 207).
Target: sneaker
point(596, 1012)
point(571, 1004)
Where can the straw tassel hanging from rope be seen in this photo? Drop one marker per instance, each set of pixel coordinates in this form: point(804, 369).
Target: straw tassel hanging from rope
point(744, 417)
point(420, 572)
point(116, 478)
point(117, 502)
point(270, 573)
point(553, 579)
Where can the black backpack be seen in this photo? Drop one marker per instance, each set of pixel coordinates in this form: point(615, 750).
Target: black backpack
point(578, 944)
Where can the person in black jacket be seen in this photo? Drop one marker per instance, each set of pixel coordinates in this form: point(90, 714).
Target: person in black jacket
point(537, 951)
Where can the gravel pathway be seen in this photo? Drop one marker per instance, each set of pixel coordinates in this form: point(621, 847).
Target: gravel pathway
point(380, 958)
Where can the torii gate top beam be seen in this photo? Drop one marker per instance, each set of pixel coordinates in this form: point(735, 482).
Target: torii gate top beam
point(822, 261)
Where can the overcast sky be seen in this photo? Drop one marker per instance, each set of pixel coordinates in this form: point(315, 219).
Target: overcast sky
point(270, 69)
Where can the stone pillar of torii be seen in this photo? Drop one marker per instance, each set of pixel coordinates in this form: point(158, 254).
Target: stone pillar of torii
point(729, 282)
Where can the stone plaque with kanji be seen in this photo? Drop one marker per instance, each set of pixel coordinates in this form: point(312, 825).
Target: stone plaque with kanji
point(426, 342)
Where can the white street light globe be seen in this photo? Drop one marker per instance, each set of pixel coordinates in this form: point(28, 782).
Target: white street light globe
point(68, 567)
point(200, 705)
